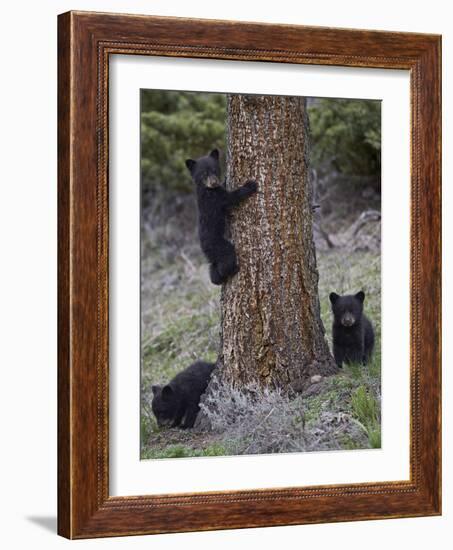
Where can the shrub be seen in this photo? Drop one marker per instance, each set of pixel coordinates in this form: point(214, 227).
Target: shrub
point(255, 420)
point(346, 134)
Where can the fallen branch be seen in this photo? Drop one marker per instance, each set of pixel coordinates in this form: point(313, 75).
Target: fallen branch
point(324, 235)
point(365, 217)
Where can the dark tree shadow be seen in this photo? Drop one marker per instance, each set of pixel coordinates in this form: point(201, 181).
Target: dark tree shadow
point(49, 523)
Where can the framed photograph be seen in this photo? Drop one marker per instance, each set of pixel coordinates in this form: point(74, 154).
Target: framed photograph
point(249, 275)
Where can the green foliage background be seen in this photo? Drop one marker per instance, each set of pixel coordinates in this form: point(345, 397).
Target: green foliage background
point(345, 135)
point(176, 126)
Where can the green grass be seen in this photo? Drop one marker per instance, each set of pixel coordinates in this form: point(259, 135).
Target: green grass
point(335, 397)
point(367, 411)
point(180, 320)
point(356, 389)
point(181, 323)
point(183, 451)
point(180, 315)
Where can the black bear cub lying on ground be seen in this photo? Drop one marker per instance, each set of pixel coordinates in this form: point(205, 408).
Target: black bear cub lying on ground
point(178, 401)
point(352, 331)
point(214, 202)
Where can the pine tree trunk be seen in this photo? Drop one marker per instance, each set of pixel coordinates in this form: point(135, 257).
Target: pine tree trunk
point(272, 332)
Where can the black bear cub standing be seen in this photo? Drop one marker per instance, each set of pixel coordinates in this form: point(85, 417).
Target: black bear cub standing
point(214, 202)
point(352, 331)
point(178, 401)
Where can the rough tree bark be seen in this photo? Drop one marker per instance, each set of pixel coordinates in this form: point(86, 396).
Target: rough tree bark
point(272, 332)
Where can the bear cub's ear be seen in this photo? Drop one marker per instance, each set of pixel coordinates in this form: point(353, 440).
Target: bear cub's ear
point(156, 388)
point(333, 297)
point(190, 163)
point(214, 154)
point(360, 296)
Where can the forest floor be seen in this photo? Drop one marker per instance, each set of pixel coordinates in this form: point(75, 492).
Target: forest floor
point(181, 323)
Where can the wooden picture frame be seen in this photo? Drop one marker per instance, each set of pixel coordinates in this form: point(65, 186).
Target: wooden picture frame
point(85, 42)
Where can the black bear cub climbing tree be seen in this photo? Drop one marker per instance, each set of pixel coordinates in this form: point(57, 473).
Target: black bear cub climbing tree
point(271, 327)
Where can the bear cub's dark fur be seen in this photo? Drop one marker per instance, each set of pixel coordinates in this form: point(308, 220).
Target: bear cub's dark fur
point(352, 331)
point(177, 403)
point(214, 202)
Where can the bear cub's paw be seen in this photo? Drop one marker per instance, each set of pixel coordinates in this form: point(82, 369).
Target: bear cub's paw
point(251, 186)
